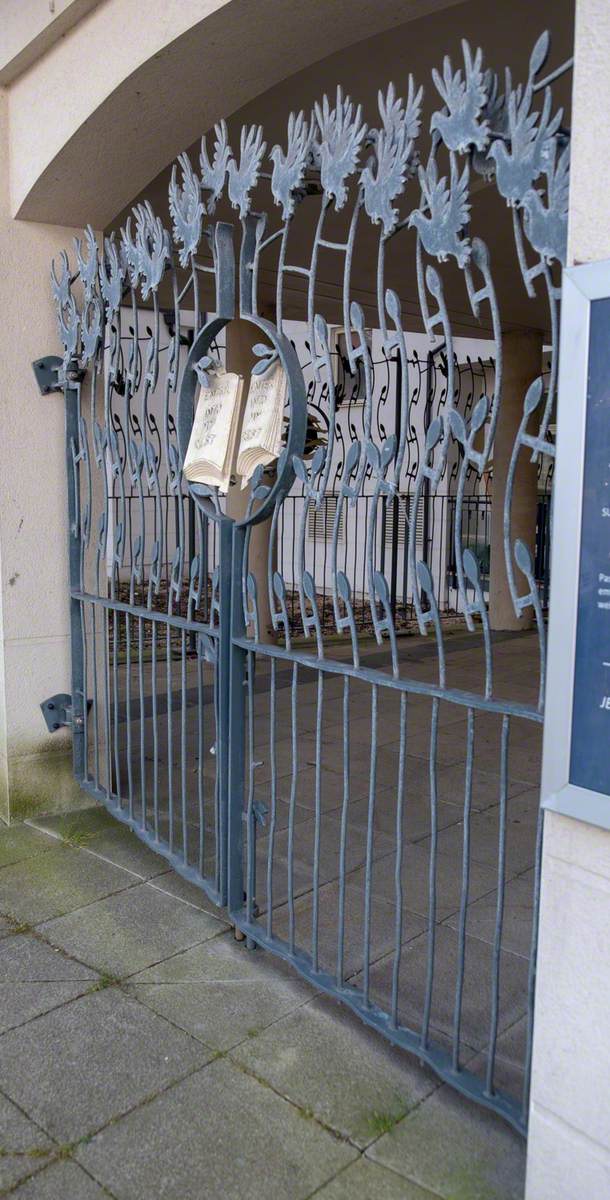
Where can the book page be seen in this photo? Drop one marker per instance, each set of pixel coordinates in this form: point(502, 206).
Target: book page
point(212, 423)
point(262, 419)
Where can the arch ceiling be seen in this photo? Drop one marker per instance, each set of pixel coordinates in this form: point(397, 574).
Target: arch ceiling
point(131, 85)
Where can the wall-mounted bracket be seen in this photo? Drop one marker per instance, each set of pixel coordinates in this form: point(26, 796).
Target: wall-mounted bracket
point(58, 712)
point(47, 372)
point(51, 375)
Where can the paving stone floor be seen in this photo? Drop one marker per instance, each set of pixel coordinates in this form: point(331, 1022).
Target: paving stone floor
point(146, 1055)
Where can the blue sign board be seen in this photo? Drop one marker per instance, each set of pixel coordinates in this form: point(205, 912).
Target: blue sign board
point(590, 742)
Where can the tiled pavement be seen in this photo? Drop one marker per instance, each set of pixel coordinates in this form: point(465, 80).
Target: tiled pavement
point(146, 1054)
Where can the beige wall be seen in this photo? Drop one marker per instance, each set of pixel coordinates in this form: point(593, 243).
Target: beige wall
point(31, 27)
point(569, 1143)
point(35, 767)
point(569, 1147)
point(589, 223)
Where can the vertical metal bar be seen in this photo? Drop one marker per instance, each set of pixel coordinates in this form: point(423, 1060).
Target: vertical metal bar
point(85, 714)
point(170, 735)
point(250, 819)
point(292, 805)
point(497, 947)
point(96, 743)
point(128, 713)
point(531, 982)
point(459, 987)
point(236, 712)
point(384, 533)
point(115, 687)
point(369, 849)
point(272, 823)
point(143, 812)
point(183, 754)
point(426, 489)
point(107, 722)
point(155, 729)
point(191, 528)
point(115, 703)
point(75, 550)
point(400, 804)
point(84, 542)
point(395, 500)
point(200, 754)
point(343, 835)
point(317, 827)
point(431, 876)
point(228, 580)
point(217, 779)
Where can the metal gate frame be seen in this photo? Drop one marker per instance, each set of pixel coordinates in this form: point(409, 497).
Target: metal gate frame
point(80, 704)
point(479, 123)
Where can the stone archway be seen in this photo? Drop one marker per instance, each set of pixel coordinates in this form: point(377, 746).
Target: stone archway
point(126, 90)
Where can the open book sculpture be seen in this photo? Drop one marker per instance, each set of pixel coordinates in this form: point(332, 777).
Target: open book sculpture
point(212, 456)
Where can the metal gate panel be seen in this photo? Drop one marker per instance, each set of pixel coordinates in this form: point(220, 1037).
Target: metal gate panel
point(301, 774)
point(149, 576)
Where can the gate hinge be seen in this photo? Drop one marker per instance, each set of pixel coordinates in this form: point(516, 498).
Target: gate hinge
point(47, 372)
point(51, 376)
point(58, 713)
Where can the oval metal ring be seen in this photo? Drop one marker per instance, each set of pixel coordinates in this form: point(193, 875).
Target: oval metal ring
point(297, 414)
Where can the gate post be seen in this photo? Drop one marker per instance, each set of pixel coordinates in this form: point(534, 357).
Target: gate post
point(75, 546)
point(236, 722)
point(224, 678)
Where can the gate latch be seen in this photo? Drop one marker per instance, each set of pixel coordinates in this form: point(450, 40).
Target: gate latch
point(57, 712)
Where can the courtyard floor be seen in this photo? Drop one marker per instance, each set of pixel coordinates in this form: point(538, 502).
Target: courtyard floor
point(144, 1053)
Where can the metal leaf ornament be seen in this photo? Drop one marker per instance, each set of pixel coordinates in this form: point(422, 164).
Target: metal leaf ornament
point(214, 172)
point(384, 176)
point(443, 213)
point(186, 208)
point(207, 368)
point(341, 131)
point(266, 356)
point(523, 559)
point(289, 167)
point(462, 124)
point(244, 177)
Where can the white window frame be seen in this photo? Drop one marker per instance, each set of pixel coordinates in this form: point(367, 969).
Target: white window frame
point(581, 286)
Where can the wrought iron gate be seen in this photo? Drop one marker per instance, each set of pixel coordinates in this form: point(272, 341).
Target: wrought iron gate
point(297, 773)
